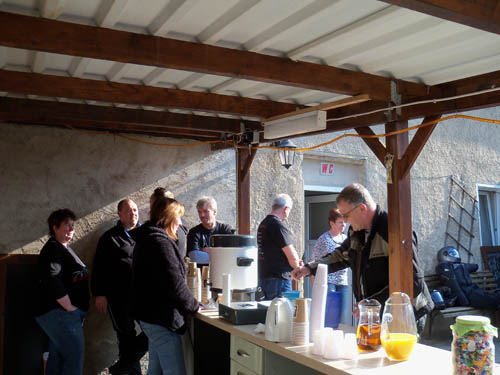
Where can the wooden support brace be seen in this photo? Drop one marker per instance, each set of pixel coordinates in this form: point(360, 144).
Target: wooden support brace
point(373, 143)
point(416, 145)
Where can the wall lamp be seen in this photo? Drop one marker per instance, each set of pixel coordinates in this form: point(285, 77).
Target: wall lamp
point(287, 157)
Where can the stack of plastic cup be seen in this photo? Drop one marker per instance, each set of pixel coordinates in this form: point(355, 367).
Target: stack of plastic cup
point(318, 340)
point(334, 345)
point(350, 346)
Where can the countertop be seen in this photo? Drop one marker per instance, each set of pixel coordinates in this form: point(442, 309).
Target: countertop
point(424, 360)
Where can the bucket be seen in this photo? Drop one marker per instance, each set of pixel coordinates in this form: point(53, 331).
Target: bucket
point(332, 311)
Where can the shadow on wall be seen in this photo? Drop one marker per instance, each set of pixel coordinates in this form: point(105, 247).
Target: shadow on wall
point(44, 169)
point(51, 168)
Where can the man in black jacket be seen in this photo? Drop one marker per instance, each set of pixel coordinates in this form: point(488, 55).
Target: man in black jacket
point(111, 284)
point(366, 251)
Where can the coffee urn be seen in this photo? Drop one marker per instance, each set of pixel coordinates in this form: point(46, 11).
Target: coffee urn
point(234, 254)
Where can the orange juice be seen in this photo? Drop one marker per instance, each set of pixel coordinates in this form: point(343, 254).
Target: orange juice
point(399, 345)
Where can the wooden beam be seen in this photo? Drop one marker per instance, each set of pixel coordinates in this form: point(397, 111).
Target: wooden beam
point(416, 146)
point(373, 143)
point(45, 111)
point(126, 47)
point(244, 159)
point(399, 210)
point(353, 116)
point(480, 14)
point(104, 91)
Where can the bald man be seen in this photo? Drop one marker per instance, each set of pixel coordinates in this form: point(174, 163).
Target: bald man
point(110, 284)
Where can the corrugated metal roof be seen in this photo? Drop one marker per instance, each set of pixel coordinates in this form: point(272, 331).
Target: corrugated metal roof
point(364, 35)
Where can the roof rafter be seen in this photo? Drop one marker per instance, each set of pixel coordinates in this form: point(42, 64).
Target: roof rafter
point(94, 42)
point(480, 14)
point(449, 89)
point(78, 88)
point(118, 119)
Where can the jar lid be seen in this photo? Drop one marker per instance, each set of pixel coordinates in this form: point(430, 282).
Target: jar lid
point(467, 323)
point(472, 320)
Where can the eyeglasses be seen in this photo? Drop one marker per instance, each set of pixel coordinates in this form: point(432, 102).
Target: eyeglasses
point(346, 215)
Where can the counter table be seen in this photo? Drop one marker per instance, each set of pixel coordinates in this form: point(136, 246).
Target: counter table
point(424, 360)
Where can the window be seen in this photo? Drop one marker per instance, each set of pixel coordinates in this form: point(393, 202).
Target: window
point(489, 214)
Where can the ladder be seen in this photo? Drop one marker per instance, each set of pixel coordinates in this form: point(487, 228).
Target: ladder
point(461, 217)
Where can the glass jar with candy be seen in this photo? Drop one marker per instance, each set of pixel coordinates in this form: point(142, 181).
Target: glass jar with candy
point(472, 348)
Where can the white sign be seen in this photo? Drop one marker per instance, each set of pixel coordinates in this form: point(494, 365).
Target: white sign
point(326, 169)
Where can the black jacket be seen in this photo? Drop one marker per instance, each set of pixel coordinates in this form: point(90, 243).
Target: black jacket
point(112, 267)
point(59, 274)
point(160, 293)
point(369, 262)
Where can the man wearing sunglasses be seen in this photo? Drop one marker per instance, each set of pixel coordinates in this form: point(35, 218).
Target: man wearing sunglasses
point(366, 251)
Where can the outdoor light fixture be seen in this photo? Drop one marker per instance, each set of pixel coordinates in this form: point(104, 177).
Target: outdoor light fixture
point(286, 156)
point(305, 120)
point(285, 125)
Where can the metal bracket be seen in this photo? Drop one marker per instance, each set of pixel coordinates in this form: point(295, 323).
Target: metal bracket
point(389, 162)
point(395, 100)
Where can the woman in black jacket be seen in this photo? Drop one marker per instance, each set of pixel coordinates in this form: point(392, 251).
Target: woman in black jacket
point(65, 296)
point(161, 296)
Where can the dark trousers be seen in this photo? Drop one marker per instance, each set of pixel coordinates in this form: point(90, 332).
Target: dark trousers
point(131, 347)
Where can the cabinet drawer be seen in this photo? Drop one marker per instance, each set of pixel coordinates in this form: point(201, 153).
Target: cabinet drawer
point(247, 354)
point(237, 369)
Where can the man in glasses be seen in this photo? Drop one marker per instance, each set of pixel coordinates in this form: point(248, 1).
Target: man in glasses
point(366, 251)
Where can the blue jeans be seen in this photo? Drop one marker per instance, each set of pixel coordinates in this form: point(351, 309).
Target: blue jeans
point(275, 287)
point(66, 341)
point(165, 350)
point(345, 310)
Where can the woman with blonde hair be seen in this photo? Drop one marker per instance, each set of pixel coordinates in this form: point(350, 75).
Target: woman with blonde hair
point(161, 296)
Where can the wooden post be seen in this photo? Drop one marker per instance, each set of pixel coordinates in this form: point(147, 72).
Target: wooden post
point(244, 159)
point(399, 209)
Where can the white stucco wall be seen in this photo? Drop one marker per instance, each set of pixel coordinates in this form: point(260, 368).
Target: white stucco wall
point(44, 168)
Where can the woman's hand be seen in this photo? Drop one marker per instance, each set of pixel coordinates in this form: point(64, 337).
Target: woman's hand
point(66, 304)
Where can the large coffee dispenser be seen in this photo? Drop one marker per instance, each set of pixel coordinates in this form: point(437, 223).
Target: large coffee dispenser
point(234, 254)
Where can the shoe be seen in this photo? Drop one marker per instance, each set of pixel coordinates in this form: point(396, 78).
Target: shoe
point(125, 368)
point(119, 368)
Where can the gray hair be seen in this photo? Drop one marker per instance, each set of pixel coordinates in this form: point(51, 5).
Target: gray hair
point(282, 201)
point(356, 194)
point(206, 201)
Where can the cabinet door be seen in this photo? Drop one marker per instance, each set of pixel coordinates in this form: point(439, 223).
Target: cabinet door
point(238, 369)
point(278, 365)
point(247, 354)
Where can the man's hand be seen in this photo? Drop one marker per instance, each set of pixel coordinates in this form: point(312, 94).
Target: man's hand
point(355, 310)
point(300, 272)
point(101, 304)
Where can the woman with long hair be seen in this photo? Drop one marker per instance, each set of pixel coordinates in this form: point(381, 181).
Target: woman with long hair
point(161, 296)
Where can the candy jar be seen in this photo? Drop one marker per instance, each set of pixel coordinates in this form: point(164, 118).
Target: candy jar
point(368, 333)
point(472, 348)
point(399, 329)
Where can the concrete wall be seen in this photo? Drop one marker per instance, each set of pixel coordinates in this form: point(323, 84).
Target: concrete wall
point(464, 149)
point(43, 168)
